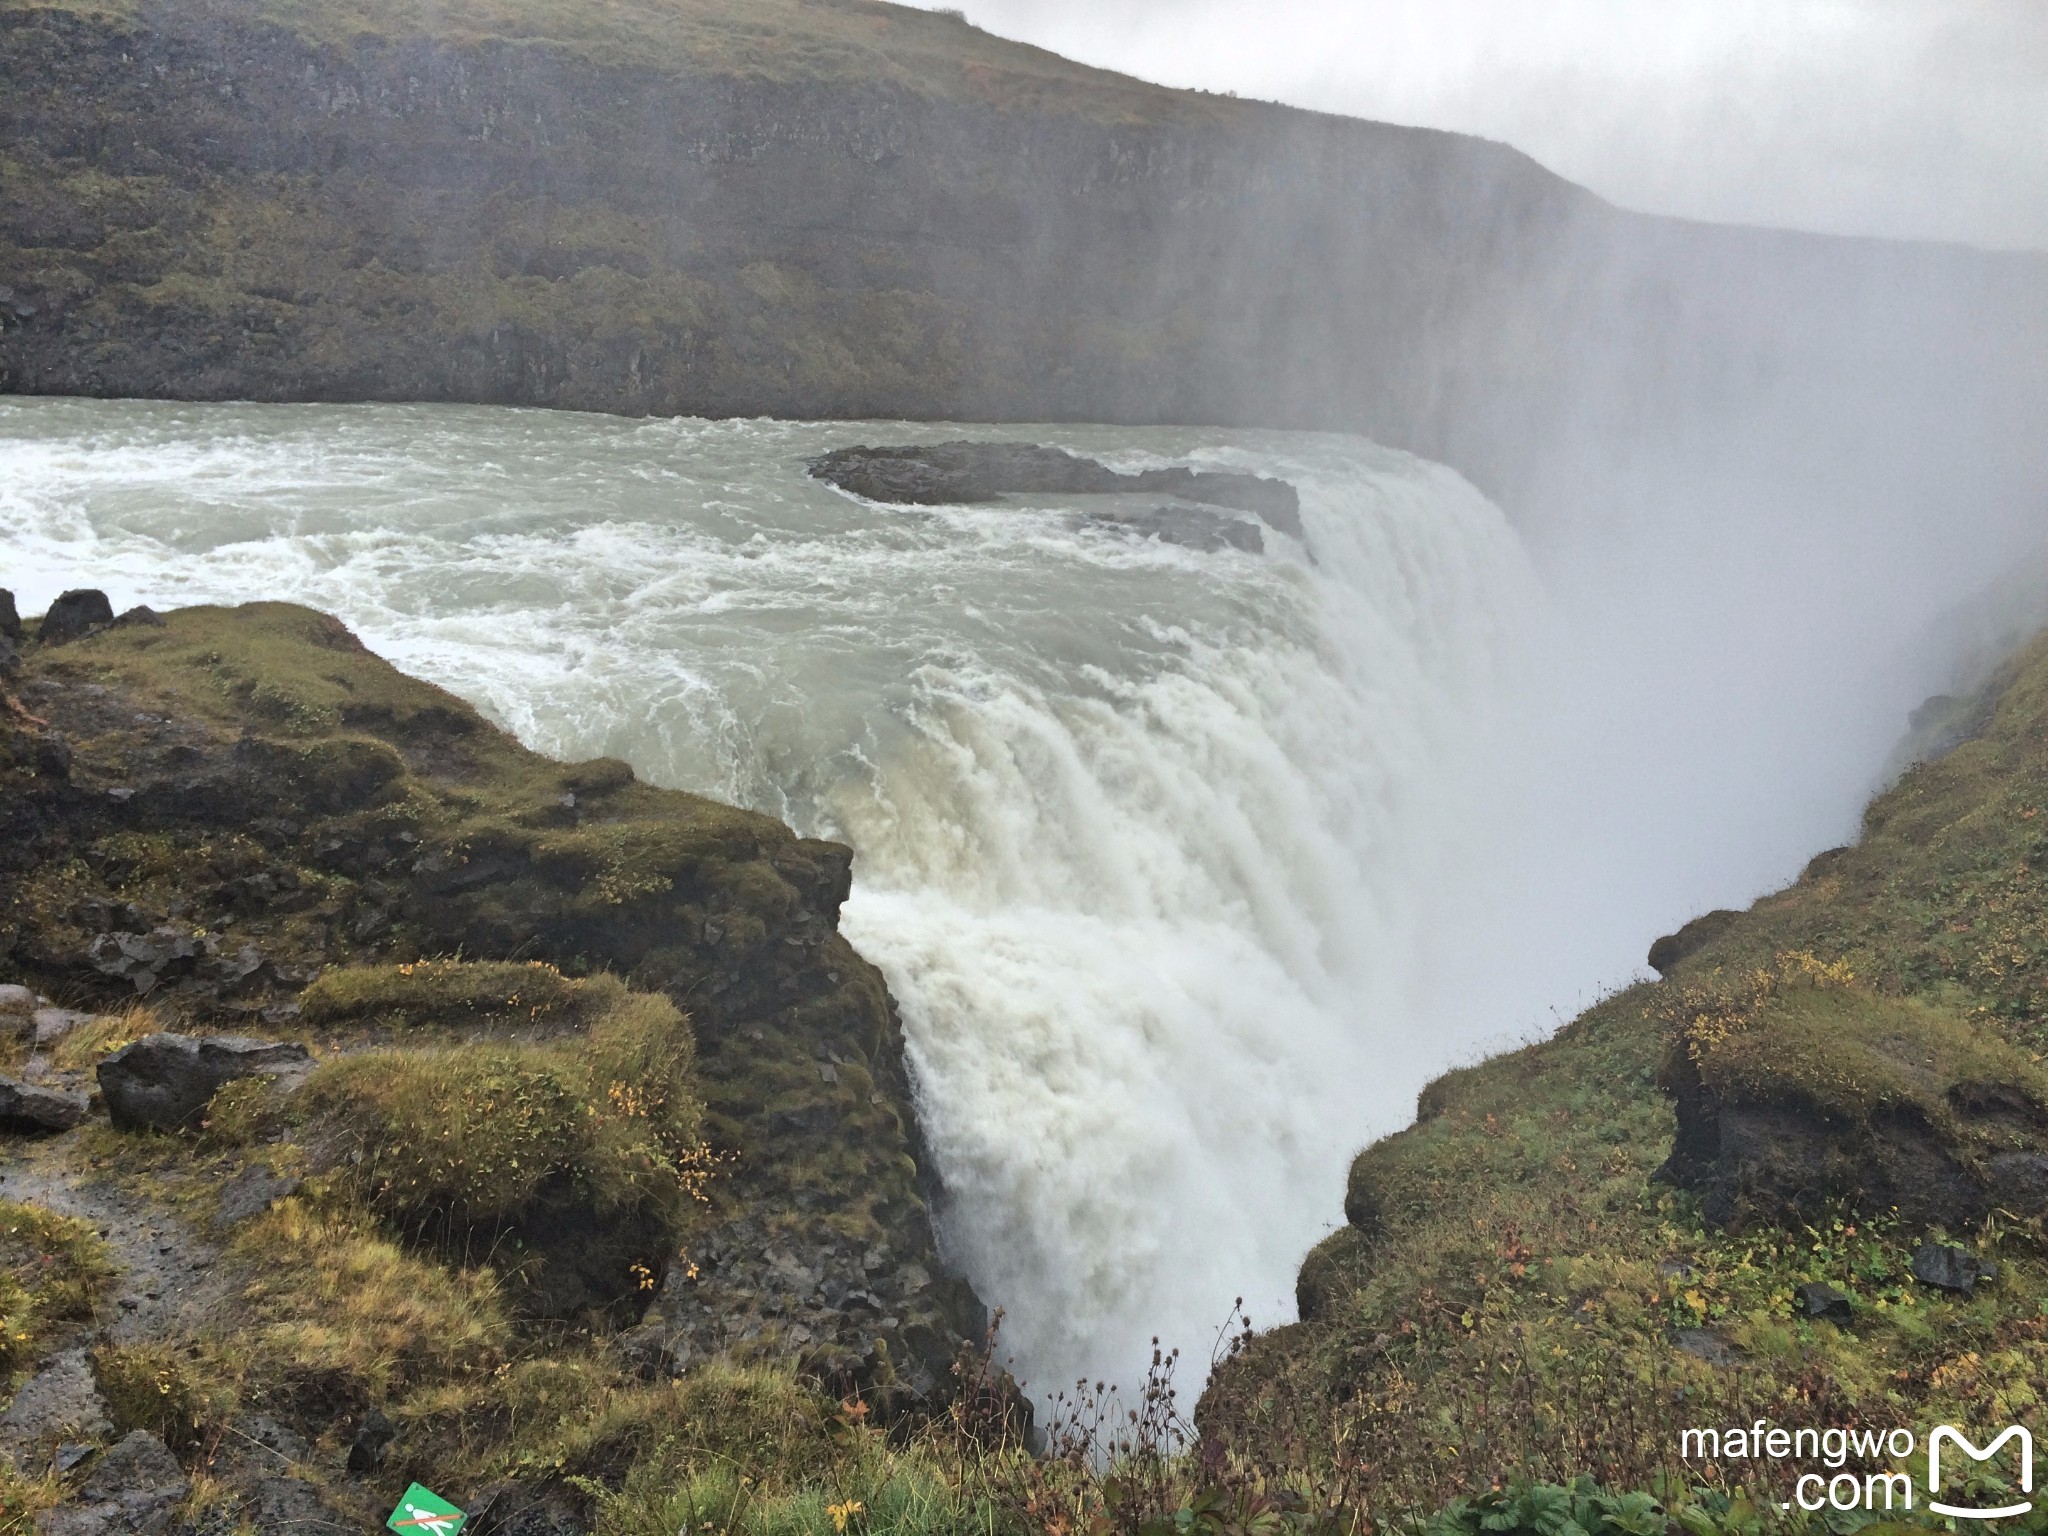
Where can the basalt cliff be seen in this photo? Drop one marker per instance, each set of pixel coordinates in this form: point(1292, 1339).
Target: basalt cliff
point(838, 208)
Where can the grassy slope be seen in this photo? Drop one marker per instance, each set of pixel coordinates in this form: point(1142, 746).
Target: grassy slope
point(923, 52)
point(1513, 1291)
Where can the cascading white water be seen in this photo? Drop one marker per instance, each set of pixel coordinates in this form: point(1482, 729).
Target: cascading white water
point(1150, 840)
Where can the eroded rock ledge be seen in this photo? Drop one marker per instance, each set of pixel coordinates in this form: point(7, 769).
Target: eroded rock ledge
point(207, 809)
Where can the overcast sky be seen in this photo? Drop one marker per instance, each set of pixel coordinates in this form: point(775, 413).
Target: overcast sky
point(1896, 117)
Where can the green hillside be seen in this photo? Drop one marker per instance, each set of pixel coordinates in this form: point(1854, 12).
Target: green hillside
point(1552, 1273)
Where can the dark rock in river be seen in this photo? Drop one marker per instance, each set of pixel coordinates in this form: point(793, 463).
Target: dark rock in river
point(164, 1082)
point(75, 614)
point(954, 474)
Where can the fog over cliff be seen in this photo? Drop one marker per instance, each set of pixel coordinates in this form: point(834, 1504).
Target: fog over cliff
point(1907, 119)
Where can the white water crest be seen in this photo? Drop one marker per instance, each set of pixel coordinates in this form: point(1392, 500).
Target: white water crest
point(1151, 842)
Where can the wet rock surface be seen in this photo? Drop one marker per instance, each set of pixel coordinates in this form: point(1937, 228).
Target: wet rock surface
point(28, 1108)
point(1777, 1143)
point(1762, 1162)
point(164, 1082)
point(966, 473)
point(1948, 1268)
point(132, 1491)
point(60, 1402)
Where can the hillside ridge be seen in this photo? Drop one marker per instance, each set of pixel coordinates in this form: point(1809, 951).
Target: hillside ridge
point(813, 209)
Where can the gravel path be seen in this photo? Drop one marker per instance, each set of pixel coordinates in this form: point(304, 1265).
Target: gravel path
point(170, 1275)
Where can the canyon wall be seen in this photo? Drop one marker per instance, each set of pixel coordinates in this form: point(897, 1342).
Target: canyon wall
point(844, 209)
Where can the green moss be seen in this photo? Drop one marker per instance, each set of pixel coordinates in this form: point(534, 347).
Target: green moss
point(481, 1135)
point(453, 994)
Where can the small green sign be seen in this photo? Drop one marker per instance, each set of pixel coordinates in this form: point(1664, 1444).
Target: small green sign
point(423, 1512)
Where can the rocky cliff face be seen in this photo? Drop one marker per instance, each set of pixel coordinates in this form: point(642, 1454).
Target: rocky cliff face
point(204, 811)
point(834, 208)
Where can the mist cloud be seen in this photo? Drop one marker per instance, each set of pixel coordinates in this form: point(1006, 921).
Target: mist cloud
point(1908, 118)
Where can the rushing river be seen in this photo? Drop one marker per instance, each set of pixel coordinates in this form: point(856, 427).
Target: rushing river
point(1142, 832)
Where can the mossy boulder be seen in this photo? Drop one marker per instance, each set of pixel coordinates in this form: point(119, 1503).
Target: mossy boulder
point(1798, 1089)
point(574, 1164)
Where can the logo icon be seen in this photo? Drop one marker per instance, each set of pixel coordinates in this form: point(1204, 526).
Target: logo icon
point(423, 1512)
point(2026, 1459)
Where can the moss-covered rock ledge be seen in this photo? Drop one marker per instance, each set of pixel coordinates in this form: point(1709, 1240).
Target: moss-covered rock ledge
point(241, 821)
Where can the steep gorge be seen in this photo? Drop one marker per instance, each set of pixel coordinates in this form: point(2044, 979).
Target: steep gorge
point(833, 208)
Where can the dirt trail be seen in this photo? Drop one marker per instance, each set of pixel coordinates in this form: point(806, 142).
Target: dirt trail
point(170, 1275)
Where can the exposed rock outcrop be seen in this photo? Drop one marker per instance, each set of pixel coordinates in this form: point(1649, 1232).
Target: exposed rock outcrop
point(1883, 1107)
point(1948, 1268)
point(75, 614)
point(964, 473)
point(969, 473)
point(1696, 935)
point(132, 1491)
point(390, 824)
point(26, 1107)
